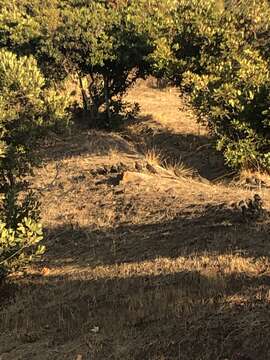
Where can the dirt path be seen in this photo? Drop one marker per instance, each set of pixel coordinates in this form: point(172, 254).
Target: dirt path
point(150, 265)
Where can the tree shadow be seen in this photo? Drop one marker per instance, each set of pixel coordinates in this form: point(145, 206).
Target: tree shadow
point(213, 229)
point(84, 143)
point(179, 288)
point(115, 315)
point(195, 151)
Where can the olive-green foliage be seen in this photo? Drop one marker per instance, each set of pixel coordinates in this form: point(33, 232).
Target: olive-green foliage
point(26, 110)
point(234, 96)
point(22, 110)
point(20, 246)
point(27, 27)
point(251, 19)
point(222, 66)
point(155, 19)
point(106, 46)
point(106, 43)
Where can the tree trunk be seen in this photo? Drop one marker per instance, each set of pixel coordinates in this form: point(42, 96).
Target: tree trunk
point(84, 96)
point(107, 96)
point(95, 98)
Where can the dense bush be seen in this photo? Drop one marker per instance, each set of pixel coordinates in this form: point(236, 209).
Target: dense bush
point(251, 18)
point(234, 97)
point(107, 44)
point(227, 75)
point(110, 56)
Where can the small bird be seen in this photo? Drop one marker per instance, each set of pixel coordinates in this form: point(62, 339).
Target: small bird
point(122, 167)
point(251, 209)
point(138, 166)
point(151, 168)
point(257, 202)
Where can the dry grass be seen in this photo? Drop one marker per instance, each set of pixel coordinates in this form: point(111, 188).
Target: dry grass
point(262, 177)
point(154, 157)
point(164, 106)
point(161, 269)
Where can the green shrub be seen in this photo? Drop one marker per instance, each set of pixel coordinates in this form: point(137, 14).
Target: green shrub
point(26, 111)
point(20, 246)
point(251, 18)
point(107, 49)
point(216, 50)
point(227, 77)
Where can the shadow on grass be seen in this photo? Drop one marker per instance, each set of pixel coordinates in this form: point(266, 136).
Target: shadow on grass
point(216, 230)
point(84, 143)
point(193, 150)
point(146, 292)
point(184, 315)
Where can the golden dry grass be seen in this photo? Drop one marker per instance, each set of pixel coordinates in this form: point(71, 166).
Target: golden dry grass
point(165, 268)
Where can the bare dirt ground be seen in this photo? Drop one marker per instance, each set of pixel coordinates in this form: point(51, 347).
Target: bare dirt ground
point(148, 256)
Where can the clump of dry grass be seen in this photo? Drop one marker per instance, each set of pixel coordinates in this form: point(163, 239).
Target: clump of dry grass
point(177, 169)
point(154, 157)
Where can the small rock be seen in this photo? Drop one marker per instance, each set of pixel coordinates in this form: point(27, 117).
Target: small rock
point(115, 180)
point(78, 178)
point(134, 177)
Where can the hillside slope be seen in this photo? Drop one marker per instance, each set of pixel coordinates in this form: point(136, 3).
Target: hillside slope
point(148, 256)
